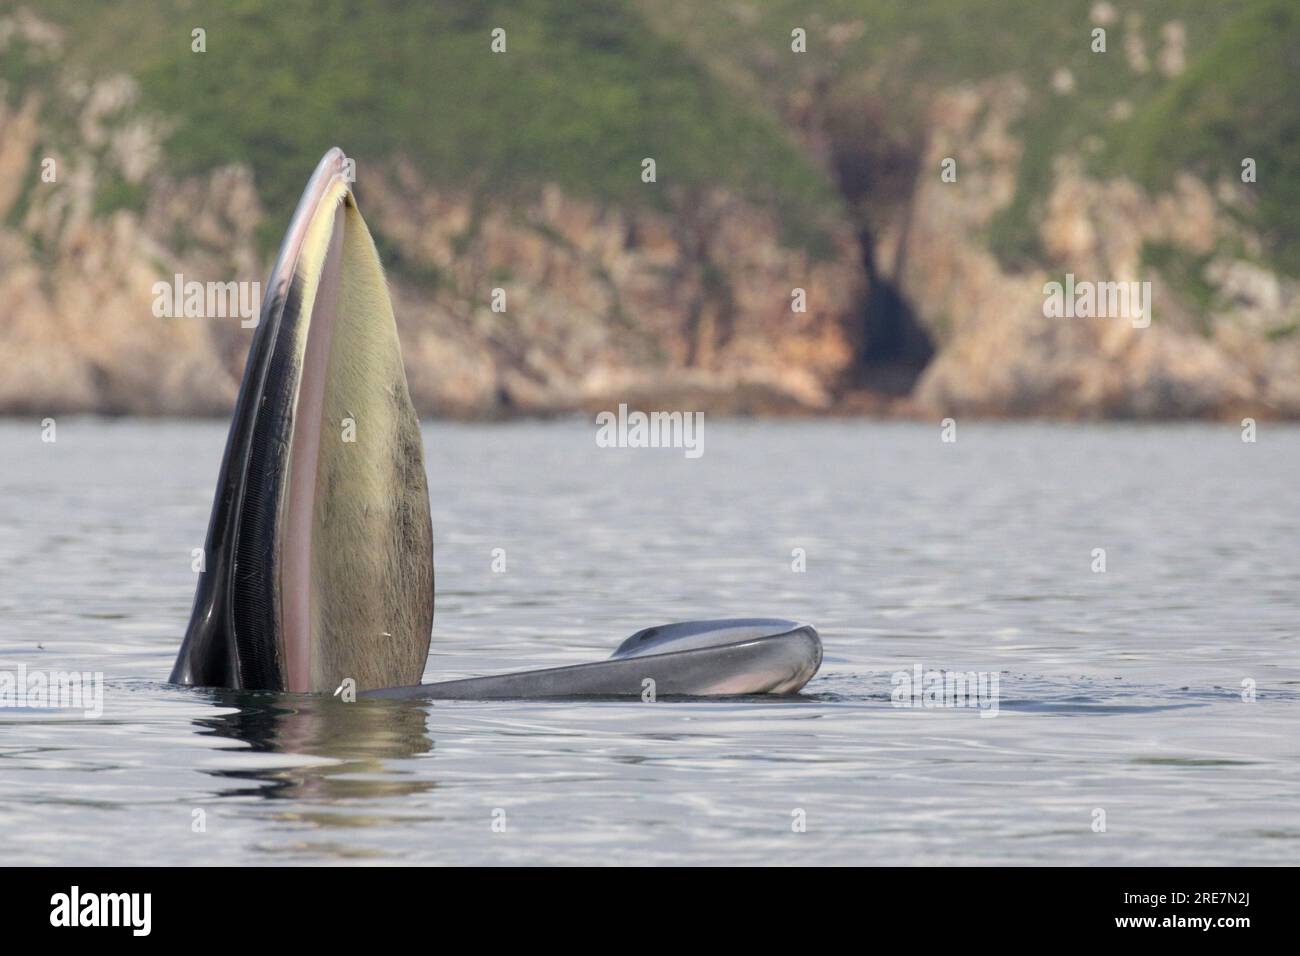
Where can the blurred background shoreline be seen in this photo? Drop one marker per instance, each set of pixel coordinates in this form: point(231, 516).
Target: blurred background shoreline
point(853, 210)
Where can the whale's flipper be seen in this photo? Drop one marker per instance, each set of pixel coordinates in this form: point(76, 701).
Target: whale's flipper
point(695, 658)
point(319, 555)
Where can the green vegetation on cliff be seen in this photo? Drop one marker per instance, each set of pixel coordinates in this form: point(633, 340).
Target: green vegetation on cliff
point(713, 92)
point(1239, 100)
point(1180, 85)
point(584, 92)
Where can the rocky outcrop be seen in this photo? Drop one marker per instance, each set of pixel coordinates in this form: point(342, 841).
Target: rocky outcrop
point(77, 268)
point(555, 302)
point(563, 303)
point(596, 304)
point(998, 353)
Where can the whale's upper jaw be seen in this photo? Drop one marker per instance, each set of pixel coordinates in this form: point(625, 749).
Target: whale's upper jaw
point(319, 556)
point(721, 658)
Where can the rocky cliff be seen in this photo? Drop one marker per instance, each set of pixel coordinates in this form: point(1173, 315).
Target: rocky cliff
point(1219, 341)
point(597, 303)
point(551, 300)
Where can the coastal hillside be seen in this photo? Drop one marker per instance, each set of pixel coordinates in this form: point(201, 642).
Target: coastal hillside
point(743, 207)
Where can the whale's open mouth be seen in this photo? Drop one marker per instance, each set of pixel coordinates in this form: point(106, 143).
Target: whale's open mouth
point(319, 553)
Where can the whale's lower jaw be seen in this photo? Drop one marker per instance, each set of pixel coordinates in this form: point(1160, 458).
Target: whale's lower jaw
point(772, 663)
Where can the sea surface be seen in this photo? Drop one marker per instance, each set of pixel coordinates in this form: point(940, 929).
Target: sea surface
point(1145, 714)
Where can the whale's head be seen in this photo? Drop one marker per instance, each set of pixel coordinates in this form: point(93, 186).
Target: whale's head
point(319, 555)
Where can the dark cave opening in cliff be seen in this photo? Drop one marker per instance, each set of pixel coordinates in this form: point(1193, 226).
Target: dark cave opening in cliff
point(894, 347)
point(874, 159)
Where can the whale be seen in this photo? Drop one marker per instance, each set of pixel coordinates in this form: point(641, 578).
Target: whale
point(318, 569)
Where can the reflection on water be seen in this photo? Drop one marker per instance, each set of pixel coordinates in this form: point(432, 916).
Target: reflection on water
point(354, 741)
point(1165, 691)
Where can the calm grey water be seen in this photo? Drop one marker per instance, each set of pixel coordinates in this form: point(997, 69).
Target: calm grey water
point(1119, 691)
